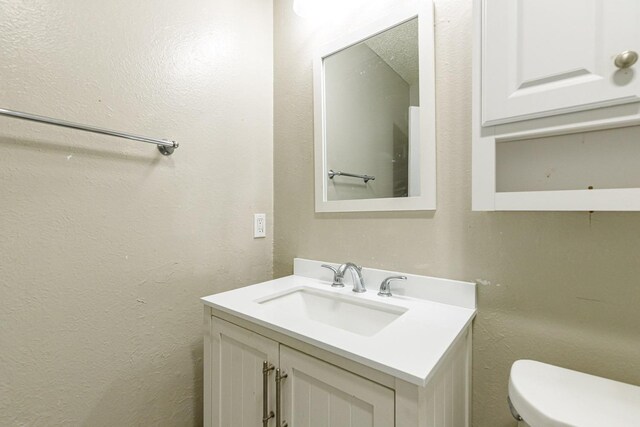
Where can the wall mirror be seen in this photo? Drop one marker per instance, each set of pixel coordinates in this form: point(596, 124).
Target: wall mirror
point(374, 93)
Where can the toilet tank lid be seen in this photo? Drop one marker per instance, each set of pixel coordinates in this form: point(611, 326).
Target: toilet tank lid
point(547, 395)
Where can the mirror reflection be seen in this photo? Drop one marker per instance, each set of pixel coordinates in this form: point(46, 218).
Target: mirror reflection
point(371, 117)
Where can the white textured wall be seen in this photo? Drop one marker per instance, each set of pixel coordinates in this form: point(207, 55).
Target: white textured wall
point(106, 246)
point(563, 288)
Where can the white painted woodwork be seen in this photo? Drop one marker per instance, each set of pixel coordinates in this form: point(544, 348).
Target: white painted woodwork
point(547, 57)
point(236, 376)
point(525, 73)
point(319, 394)
point(445, 401)
point(447, 396)
point(426, 175)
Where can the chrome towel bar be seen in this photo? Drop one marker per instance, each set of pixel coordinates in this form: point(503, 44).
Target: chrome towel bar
point(164, 146)
point(366, 178)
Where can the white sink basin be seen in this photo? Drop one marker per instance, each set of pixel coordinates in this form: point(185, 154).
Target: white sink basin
point(349, 313)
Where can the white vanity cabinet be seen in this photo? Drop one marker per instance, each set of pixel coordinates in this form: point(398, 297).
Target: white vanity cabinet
point(299, 351)
point(236, 379)
point(556, 88)
point(312, 389)
point(316, 392)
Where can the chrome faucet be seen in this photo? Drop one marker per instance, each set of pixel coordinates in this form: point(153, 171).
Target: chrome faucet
point(337, 278)
point(385, 286)
point(356, 274)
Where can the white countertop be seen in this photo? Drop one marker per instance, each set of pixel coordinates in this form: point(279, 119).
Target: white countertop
point(409, 348)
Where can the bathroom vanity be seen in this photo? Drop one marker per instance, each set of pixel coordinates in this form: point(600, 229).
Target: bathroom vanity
point(296, 351)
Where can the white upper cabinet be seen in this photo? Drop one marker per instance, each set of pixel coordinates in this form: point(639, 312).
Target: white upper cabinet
point(556, 105)
point(549, 57)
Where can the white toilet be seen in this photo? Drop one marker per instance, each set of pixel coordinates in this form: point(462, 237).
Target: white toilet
point(542, 395)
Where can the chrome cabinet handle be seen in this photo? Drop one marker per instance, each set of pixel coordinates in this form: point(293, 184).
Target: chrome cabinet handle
point(280, 375)
point(337, 279)
point(266, 414)
point(626, 59)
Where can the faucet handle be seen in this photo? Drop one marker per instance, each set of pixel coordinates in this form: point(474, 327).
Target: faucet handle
point(385, 286)
point(337, 278)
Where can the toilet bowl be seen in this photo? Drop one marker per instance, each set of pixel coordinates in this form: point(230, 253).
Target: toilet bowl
point(542, 395)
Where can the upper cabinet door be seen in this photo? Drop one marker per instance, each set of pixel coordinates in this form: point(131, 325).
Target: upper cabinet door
point(548, 57)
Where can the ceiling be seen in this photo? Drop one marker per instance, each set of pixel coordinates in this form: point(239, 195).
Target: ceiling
point(398, 47)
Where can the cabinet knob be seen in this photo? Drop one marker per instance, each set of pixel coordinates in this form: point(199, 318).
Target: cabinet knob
point(626, 59)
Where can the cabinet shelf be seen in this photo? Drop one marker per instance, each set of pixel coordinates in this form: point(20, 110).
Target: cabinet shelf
point(616, 199)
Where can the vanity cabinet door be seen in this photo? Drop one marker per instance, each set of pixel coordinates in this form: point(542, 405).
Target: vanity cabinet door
point(237, 357)
point(547, 57)
point(315, 393)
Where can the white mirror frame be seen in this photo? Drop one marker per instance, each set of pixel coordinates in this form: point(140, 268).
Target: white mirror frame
point(423, 10)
